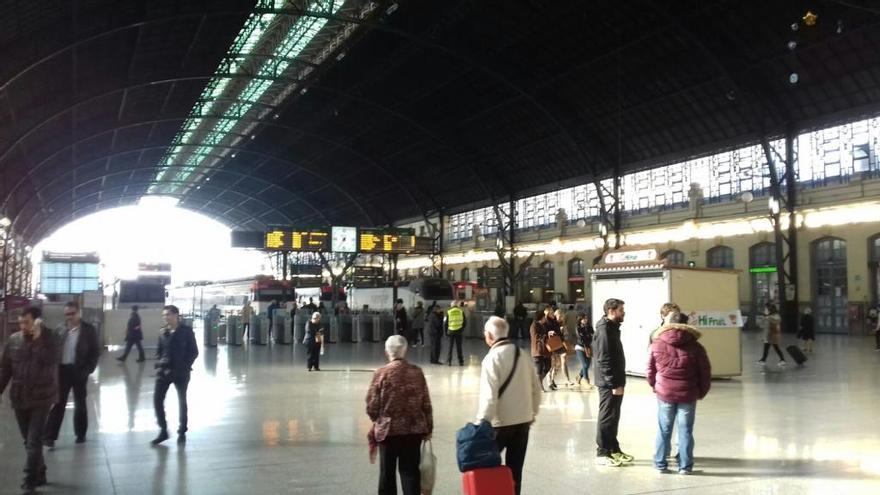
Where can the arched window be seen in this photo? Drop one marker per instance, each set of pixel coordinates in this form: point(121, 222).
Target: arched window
point(576, 267)
point(673, 257)
point(450, 275)
point(719, 257)
point(762, 254)
point(465, 274)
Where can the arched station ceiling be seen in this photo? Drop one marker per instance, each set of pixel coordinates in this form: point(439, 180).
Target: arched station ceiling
point(393, 110)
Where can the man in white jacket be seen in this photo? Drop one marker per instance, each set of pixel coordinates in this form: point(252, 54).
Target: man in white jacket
point(510, 395)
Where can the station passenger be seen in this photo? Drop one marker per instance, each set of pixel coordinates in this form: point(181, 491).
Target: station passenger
point(175, 356)
point(79, 358)
point(510, 395)
point(418, 325)
point(313, 341)
point(399, 405)
point(610, 368)
point(435, 330)
point(133, 336)
point(679, 373)
point(30, 361)
point(454, 325)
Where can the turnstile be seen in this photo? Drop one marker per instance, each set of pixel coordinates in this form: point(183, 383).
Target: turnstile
point(258, 329)
point(365, 328)
point(345, 329)
point(377, 329)
point(387, 327)
point(299, 327)
point(233, 330)
point(333, 336)
point(209, 332)
point(281, 332)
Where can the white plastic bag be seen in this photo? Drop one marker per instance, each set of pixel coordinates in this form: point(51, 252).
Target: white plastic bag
point(428, 468)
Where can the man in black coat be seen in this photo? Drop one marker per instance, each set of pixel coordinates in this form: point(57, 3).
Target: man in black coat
point(435, 330)
point(610, 380)
point(133, 336)
point(175, 356)
point(80, 349)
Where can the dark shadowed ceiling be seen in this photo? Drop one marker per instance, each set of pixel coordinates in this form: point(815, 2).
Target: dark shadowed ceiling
point(424, 106)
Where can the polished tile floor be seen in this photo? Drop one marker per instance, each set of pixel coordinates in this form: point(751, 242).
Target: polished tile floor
point(260, 424)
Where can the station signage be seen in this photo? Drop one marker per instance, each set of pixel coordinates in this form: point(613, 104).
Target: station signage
point(301, 240)
point(387, 241)
point(716, 319)
point(640, 256)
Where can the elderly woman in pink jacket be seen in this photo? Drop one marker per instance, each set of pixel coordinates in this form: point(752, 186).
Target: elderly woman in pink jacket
point(680, 374)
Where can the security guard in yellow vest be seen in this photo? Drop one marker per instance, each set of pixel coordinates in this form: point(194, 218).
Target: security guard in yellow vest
point(454, 324)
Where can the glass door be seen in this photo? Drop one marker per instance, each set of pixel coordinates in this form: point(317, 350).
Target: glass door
point(830, 286)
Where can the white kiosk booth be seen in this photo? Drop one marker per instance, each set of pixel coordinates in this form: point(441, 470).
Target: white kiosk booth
point(710, 298)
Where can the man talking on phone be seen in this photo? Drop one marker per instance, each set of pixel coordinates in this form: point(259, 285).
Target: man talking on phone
point(610, 380)
point(30, 362)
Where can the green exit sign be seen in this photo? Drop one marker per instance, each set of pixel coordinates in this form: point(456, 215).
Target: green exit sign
point(763, 269)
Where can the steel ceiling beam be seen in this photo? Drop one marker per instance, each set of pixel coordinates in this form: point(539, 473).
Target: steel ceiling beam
point(26, 229)
point(132, 171)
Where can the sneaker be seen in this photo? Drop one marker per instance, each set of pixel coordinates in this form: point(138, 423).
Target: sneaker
point(684, 472)
point(50, 444)
point(761, 362)
point(28, 487)
point(609, 461)
point(181, 438)
point(553, 386)
point(80, 439)
point(782, 364)
point(623, 457)
point(163, 435)
point(662, 470)
point(120, 359)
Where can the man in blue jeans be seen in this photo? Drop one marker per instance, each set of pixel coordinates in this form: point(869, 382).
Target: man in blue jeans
point(680, 374)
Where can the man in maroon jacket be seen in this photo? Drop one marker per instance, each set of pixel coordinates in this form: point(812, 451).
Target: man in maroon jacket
point(680, 374)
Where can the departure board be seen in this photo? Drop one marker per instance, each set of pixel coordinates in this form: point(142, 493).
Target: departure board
point(311, 240)
point(386, 241)
point(276, 240)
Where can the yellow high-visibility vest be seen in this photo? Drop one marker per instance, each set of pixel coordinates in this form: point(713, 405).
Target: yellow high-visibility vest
point(455, 319)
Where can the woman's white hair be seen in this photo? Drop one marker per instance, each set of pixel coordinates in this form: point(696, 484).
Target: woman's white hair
point(496, 327)
point(316, 315)
point(395, 347)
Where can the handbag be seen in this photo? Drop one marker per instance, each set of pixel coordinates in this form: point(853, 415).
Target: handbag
point(428, 468)
point(554, 343)
point(475, 447)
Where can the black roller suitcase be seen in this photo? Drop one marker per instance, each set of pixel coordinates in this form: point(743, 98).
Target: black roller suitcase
point(796, 354)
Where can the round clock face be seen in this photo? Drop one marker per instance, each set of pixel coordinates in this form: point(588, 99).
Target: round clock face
point(344, 239)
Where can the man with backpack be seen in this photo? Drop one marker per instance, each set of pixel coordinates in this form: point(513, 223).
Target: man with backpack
point(510, 395)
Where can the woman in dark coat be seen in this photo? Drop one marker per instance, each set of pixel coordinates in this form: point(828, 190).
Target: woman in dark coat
point(313, 341)
point(808, 330)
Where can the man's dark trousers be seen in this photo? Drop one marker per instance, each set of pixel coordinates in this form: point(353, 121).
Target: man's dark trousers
point(69, 378)
point(609, 419)
point(31, 424)
point(455, 341)
point(180, 383)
